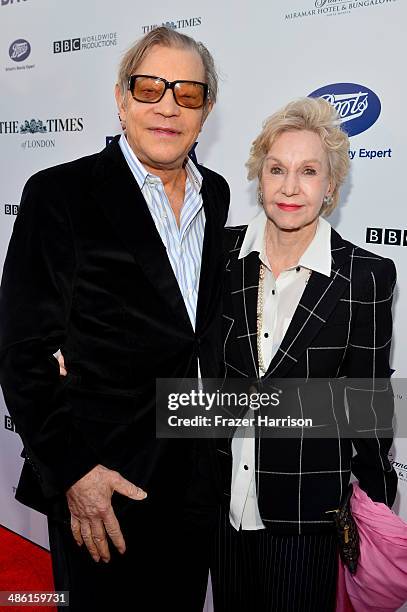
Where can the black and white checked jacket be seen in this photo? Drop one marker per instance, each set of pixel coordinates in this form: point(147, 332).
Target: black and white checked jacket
point(342, 328)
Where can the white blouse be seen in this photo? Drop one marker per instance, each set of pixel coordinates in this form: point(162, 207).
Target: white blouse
point(280, 299)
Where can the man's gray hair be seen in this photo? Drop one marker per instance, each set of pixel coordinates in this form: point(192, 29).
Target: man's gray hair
point(166, 37)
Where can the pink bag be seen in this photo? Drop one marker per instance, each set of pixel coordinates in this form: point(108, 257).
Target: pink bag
point(380, 582)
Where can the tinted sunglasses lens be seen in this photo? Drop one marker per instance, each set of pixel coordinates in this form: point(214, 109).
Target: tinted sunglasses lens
point(147, 89)
point(191, 95)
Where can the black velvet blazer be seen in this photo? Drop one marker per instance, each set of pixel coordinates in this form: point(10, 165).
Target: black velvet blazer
point(86, 272)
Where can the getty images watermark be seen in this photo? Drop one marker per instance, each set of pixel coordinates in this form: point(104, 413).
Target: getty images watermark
point(224, 402)
point(288, 408)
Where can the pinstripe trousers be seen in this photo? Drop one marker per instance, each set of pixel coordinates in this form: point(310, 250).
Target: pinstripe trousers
point(259, 571)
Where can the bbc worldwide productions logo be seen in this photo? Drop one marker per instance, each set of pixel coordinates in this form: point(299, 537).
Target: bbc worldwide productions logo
point(11, 209)
point(9, 423)
point(85, 43)
point(386, 235)
point(68, 45)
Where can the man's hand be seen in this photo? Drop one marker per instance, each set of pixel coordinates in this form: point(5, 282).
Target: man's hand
point(92, 515)
point(62, 370)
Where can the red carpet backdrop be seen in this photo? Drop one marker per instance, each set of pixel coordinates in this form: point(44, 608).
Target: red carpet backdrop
point(24, 567)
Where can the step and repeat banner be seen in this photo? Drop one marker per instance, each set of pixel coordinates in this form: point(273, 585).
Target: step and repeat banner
point(58, 64)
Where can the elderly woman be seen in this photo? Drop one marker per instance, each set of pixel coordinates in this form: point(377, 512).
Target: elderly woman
point(300, 302)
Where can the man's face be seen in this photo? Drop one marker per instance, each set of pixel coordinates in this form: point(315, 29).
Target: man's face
point(161, 134)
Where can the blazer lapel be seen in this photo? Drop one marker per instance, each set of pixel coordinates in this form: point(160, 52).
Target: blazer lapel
point(317, 302)
point(244, 292)
point(211, 261)
point(123, 204)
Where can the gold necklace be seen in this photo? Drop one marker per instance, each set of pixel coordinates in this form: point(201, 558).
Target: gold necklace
point(260, 308)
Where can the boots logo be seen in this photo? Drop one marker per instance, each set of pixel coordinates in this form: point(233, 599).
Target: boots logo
point(19, 50)
point(357, 106)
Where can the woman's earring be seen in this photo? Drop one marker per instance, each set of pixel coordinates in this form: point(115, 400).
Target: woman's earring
point(122, 122)
point(260, 197)
point(328, 200)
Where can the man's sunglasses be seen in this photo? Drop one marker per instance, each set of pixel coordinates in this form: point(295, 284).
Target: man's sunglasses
point(151, 89)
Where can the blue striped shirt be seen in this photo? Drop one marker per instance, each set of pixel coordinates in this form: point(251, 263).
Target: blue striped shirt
point(183, 243)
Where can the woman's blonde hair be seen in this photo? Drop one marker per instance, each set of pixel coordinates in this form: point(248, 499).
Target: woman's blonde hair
point(315, 115)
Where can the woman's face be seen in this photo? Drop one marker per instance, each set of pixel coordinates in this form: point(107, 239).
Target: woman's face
point(295, 179)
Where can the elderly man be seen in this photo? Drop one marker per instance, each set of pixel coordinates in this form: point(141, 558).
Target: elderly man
point(116, 260)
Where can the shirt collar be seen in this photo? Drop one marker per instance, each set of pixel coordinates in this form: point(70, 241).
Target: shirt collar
point(142, 175)
point(317, 256)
